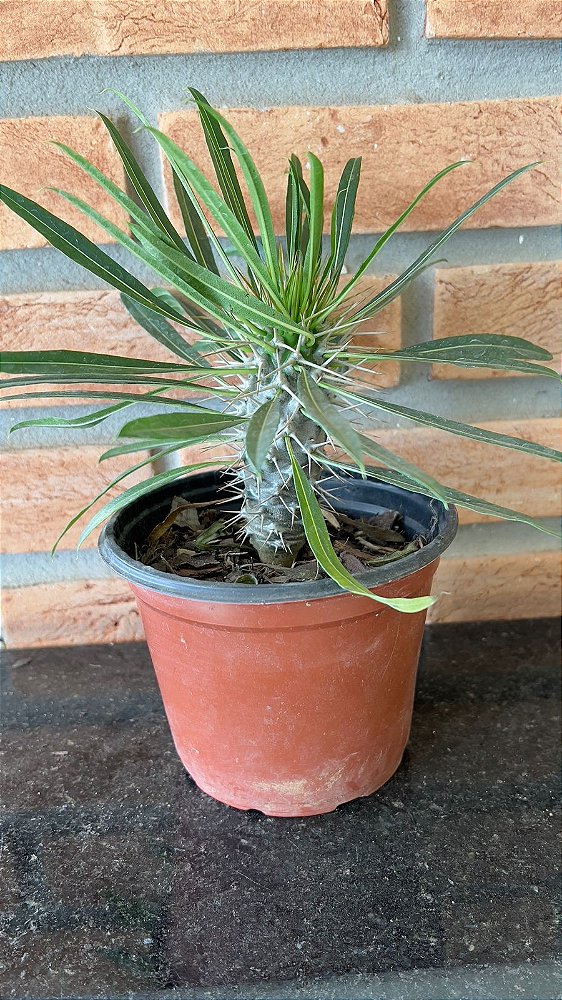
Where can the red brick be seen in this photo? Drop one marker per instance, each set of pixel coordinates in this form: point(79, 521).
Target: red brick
point(45, 487)
point(135, 27)
point(522, 300)
point(487, 587)
point(494, 19)
point(30, 165)
point(70, 614)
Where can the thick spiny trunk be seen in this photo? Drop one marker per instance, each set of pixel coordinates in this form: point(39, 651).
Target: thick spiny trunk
point(270, 508)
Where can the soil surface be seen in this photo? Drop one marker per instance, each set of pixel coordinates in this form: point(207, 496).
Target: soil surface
point(204, 541)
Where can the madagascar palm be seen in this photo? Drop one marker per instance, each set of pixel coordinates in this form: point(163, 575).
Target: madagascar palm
point(274, 328)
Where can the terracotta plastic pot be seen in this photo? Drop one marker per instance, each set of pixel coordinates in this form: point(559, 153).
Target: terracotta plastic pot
point(293, 698)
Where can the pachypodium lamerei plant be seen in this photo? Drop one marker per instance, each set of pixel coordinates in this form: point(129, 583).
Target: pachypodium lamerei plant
point(274, 328)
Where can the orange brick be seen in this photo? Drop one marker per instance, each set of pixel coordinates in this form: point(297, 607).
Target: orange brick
point(494, 19)
point(522, 300)
point(43, 488)
point(487, 587)
point(75, 321)
point(127, 27)
point(384, 332)
point(500, 475)
point(70, 614)
point(30, 165)
point(402, 147)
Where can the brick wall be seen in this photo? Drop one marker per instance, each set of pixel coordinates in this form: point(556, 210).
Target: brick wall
point(339, 77)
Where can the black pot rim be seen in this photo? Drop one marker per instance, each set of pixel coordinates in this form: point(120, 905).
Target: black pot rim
point(213, 592)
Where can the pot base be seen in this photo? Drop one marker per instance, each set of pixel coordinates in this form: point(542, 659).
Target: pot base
point(301, 796)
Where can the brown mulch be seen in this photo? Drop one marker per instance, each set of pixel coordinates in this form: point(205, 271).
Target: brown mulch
point(201, 541)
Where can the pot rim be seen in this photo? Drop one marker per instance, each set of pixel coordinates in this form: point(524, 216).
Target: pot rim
point(215, 592)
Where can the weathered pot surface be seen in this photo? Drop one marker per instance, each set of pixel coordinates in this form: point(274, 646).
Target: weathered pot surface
point(294, 698)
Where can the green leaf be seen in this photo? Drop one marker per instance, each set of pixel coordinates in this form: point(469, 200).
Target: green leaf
point(141, 397)
point(261, 432)
point(453, 426)
point(141, 185)
point(89, 420)
point(343, 214)
point(179, 426)
point(122, 378)
point(319, 408)
point(293, 218)
point(227, 178)
point(82, 251)
point(209, 291)
point(253, 180)
point(194, 228)
point(473, 345)
point(314, 247)
point(119, 196)
point(498, 352)
point(85, 364)
point(139, 490)
point(319, 540)
point(151, 444)
point(160, 330)
point(295, 167)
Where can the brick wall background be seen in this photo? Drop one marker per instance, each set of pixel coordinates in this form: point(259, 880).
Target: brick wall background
point(411, 86)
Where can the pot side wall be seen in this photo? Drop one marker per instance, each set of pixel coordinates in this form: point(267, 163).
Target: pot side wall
point(291, 709)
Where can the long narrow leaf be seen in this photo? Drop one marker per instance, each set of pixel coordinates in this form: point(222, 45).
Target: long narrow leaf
point(194, 228)
point(253, 180)
point(119, 196)
point(343, 214)
point(171, 426)
point(88, 420)
point(141, 184)
point(261, 432)
point(392, 229)
point(83, 363)
point(141, 397)
point(319, 408)
point(76, 247)
point(452, 426)
point(211, 292)
point(125, 379)
point(227, 220)
point(148, 444)
point(225, 171)
point(381, 454)
point(498, 352)
point(396, 287)
point(473, 346)
point(314, 247)
point(293, 218)
point(140, 465)
point(319, 540)
point(88, 365)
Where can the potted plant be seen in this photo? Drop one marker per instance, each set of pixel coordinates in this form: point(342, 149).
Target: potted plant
point(287, 663)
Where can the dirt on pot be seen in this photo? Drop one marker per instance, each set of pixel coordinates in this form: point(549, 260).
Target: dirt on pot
point(202, 541)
